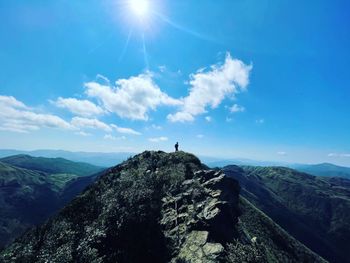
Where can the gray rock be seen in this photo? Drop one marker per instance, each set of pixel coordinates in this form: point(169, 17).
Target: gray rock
point(206, 210)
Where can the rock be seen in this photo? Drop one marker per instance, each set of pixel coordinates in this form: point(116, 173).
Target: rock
point(202, 208)
point(254, 239)
point(196, 248)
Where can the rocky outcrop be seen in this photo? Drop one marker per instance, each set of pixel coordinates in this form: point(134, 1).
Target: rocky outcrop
point(200, 219)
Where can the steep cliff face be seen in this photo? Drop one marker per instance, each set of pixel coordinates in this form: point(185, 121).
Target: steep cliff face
point(159, 207)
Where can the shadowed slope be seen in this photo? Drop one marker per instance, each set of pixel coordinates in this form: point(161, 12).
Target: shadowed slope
point(314, 210)
point(29, 197)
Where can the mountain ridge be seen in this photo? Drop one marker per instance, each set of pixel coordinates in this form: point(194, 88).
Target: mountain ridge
point(102, 159)
point(55, 165)
point(159, 207)
point(325, 169)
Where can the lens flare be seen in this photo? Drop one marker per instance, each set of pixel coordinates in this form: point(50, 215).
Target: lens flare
point(139, 7)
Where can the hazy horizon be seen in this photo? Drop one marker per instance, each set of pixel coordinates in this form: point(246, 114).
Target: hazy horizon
point(204, 158)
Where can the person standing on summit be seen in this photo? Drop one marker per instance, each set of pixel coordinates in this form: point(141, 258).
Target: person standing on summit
point(176, 146)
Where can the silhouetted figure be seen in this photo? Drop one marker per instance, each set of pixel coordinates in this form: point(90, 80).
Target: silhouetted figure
point(176, 147)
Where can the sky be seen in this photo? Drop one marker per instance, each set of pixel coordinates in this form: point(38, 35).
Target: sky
point(265, 80)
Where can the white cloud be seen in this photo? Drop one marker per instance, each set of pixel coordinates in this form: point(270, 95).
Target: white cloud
point(260, 121)
point(125, 130)
point(17, 126)
point(158, 139)
point(83, 108)
point(81, 133)
point(113, 138)
point(83, 123)
point(208, 119)
point(80, 122)
point(103, 78)
point(16, 116)
point(180, 117)
point(210, 88)
point(282, 153)
point(10, 101)
point(131, 98)
point(156, 127)
point(339, 155)
point(200, 136)
point(236, 108)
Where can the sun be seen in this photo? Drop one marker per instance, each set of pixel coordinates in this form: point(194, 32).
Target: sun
point(139, 7)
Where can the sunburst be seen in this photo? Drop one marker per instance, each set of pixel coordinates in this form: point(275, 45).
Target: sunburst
point(140, 8)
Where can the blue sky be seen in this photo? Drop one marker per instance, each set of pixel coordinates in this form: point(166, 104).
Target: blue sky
point(265, 80)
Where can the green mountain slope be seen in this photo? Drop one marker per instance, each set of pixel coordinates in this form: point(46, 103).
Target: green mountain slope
point(29, 197)
point(315, 210)
point(159, 207)
point(51, 165)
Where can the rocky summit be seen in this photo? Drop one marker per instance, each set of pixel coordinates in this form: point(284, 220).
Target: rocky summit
point(159, 207)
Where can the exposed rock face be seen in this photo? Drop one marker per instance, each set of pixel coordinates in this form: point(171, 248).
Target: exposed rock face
point(157, 207)
point(200, 219)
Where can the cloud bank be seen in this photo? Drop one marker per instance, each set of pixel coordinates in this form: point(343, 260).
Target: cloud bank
point(158, 139)
point(131, 98)
point(83, 108)
point(236, 108)
point(17, 117)
point(210, 88)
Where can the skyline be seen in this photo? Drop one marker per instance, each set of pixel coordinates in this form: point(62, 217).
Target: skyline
point(263, 80)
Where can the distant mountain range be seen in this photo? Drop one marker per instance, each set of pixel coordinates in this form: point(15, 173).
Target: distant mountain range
point(324, 169)
point(217, 162)
point(51, 165)
point(94, 158)
point(111, 159)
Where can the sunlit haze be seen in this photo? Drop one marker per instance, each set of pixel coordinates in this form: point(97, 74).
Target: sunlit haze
point(139, 7)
